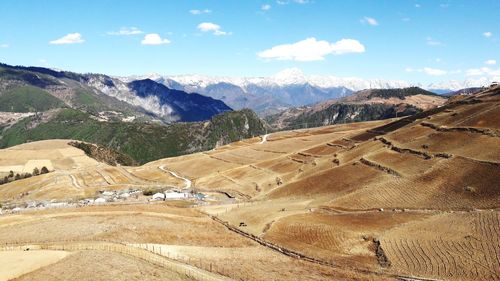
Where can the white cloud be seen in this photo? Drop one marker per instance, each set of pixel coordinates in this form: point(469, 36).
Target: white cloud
point(432, 42)
point(265, 7)
point(311, 49)
point(487, 34)
point(370, 21)
point(126, 31)
point(4, 45)
point(286, 2)
point(483, 71)
point(199, 12)
point(154, 39)
point(212, 27)
point(490, 62)
point(71, 38)
point(417, 6)
point(345, 46)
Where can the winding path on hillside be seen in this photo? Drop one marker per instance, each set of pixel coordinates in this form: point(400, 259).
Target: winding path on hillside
point(264, 139)
point(74, 181)
point(187, 182)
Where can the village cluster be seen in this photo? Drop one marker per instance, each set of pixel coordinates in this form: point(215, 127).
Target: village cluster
point(107, 197)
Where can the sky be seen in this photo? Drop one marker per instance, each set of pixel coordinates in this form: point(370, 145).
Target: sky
point(417, 41)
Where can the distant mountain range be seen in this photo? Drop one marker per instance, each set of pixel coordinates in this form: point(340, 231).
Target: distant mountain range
point(289, 88)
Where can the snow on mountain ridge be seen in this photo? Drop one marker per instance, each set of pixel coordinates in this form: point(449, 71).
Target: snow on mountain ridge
point(295, 76)
point(281, 79)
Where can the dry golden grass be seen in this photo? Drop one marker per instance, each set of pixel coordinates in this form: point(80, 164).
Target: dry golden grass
point(448, 246)
point(99, 265)
point(339, 238)
point(132, 224)
point(16, 263)
point(452, 183)
point(258, 263)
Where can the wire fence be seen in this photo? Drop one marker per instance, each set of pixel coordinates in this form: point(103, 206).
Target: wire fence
point(196, 269)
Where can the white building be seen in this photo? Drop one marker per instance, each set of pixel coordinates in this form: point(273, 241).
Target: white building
point(100, 201)
point(176, 195)
point(124, 195)
point(158, 196)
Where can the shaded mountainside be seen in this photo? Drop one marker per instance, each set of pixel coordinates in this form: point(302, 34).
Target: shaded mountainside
point(97, 93)
point(190, 107)
point(413, 96)
point(365, 105)
point(142, 141)
point(336, 114)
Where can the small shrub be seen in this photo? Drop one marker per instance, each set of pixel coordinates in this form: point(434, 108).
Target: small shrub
point(44, 170)
point(151, 191)
point(36, 172)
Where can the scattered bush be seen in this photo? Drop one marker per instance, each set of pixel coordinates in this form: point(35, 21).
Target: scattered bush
point(44, 170)
point(151, 191)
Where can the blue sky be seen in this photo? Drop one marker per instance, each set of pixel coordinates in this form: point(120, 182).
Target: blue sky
point(417, 41)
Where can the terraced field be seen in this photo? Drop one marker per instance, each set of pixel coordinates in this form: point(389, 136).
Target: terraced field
point(450, 246)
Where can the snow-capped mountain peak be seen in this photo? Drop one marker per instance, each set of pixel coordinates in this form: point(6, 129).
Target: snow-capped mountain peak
point(289, 76)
